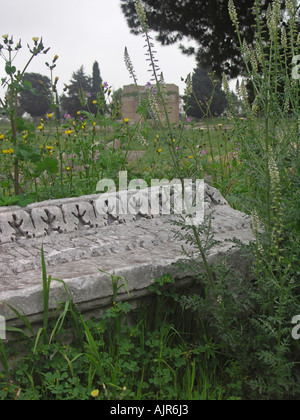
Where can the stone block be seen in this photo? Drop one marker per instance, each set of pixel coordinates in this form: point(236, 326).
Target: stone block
point(78, 241)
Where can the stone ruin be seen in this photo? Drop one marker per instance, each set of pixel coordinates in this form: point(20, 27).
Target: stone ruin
point(78, 241)
point(130, 102)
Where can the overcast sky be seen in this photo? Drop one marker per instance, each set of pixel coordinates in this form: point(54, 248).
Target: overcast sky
point(80, 32)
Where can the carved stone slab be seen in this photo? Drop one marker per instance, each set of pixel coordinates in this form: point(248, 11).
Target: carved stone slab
point(78, 240)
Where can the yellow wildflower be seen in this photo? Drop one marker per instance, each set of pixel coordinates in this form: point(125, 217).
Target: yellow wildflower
point(49, 115)
point(68, 132)
point(35, 38)
point(68, 168)
point(1, 136)
point(190, 157)
point(159, 151)
point(126, 120)
point(94, 102)
point(49, 147)
point(8, 152)
point(95, 393)
point(40, 127)
point(78, 112)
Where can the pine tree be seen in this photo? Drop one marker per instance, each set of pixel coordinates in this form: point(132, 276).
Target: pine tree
point(79, 90)
point(97, 90)
point(205, 21)
point(96, 81)
point(204, 86)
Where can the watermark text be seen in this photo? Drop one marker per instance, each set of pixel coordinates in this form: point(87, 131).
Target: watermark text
point(2, 328)
point(162, 198)
point(296, 329)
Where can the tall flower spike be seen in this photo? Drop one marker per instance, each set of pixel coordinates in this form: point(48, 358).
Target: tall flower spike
point(141, 15)
point(188, 86)
point(284, 41)
point(291, 7)
point(233, 13)
point(141, 139)
point(129, 65)
point(274, 173)
point(153, 104)
point(254, 222)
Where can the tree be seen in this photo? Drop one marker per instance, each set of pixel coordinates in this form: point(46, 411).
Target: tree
point(205, 21)
point(79, 90)
point(97, 90)
point(205, 85)
point(96, 81)
point(35, 98)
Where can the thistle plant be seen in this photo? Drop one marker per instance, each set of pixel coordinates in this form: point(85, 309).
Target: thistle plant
point(13, 83)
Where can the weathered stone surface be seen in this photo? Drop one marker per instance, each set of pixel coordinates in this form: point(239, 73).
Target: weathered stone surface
point(78, 241)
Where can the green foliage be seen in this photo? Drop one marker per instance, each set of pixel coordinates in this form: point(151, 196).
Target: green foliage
point(207, 95)
point(34, 98)
point(206, 22)
point(78, 89)
point(122, 355)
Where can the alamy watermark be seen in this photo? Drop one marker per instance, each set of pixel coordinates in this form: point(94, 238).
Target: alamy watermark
point(296, 329)
point(296, 68)
point(2, 328)
point(164, 197)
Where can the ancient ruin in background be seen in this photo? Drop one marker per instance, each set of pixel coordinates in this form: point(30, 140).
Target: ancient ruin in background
point(130, 102)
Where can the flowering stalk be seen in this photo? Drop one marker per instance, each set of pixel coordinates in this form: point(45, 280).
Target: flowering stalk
point(55, 107)
point(160, 86)
point(13, 83)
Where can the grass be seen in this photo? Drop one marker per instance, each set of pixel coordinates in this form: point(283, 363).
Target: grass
point(53, 164)
point(153, 352)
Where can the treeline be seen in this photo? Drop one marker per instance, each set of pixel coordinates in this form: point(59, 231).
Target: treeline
point(90, 93)
point(83, 93)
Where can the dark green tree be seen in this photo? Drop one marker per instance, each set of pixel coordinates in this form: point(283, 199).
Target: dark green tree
point(96, 81)
point(35, 98)
point(206, 86)
point(97, 89)
point(78, 93)
point(205, 21)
